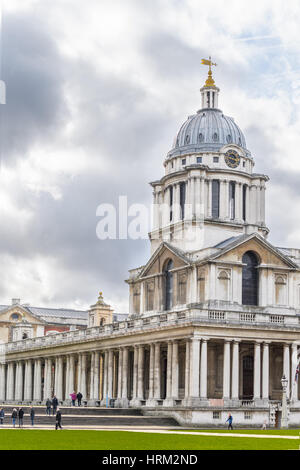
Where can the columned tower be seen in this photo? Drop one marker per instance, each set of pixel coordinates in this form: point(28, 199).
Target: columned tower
point(209, 192)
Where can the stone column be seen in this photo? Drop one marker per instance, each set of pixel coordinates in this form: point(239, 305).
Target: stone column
point(286, 367)
point(83, 376)
point(141, 364)
point(96, 376)
point(28, 381)
point(157, 391)
point(226, 370)
point(187, 370)
point(256, 385)
point(59, 394)
point(120, 373)
point(235, 371)
point(10, 382)
point(194, 395)
point(71, 375)
point(151, 376)
point(168, 400)
point(110, 374)
point(67, 386)
point(37, 393)
point(91, 391)
point(294, 384)
point(47, 385)
point(19, 382)
point(265, 372)
point(175, 371)
point(125, 378)
point(203, 370)
point(2, 382)
point(135, 372)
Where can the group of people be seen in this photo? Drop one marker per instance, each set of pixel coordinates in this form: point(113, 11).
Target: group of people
point(17, 414)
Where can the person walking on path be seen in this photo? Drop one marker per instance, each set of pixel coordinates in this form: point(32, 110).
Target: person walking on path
point(14, 416)
point(58, 419)
point(79, 398)
point(20, 415)
point(48, 407)
point(54, 404)
point(229, 421)
point(73, 398)
point(2, 414)
point(32, 415)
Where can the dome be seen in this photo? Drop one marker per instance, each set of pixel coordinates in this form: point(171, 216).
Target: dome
point(208, 130)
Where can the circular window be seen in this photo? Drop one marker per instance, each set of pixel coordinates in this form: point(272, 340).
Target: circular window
point(15, 317)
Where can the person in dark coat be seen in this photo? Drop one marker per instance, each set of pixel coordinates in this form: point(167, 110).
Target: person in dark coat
point(79, 398)
point(2, 414)
point(20, 415)
point(32, 415)
point(229, 421)
point(48, 407)
point(54, 404)
point(58, 419)
point(14, 416)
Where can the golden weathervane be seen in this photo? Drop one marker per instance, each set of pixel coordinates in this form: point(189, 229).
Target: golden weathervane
point(210, 81)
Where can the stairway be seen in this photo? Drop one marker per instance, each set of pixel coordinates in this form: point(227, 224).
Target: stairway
point(85, 418)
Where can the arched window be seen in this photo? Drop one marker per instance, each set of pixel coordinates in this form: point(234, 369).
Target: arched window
point(250, 279)
point(168, 285)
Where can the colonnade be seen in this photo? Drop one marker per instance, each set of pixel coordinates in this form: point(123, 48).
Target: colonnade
point(148, 374)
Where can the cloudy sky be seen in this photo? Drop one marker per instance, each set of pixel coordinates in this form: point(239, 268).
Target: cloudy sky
point(96, 91)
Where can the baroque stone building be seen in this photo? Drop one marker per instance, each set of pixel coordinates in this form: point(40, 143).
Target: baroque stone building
point(214, 314)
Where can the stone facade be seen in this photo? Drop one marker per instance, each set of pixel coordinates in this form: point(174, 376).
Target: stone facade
point(214, 314)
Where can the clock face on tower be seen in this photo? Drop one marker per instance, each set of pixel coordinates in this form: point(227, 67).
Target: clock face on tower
point(232, 159)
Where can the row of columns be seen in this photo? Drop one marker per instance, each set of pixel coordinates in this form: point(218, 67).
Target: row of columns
point(110, 371)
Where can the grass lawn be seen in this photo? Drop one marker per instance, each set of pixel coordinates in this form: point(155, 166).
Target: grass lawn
point(17, 439)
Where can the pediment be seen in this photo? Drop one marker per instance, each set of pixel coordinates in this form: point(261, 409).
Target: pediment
point(158, 260)
point(5, 315)
point(268, 255)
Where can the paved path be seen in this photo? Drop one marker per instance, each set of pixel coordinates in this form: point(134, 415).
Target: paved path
point(161, 431)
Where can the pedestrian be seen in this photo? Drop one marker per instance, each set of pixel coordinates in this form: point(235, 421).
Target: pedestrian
point(20, 415)
point(73, 398)
point(58, 419)
point(2, 414)
point(79, 398)
point(32, 414)
point(48, 407)
point(229, 421)
point(54, 404)
point(14, 416)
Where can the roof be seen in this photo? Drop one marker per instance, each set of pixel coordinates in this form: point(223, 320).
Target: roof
point(208, 130)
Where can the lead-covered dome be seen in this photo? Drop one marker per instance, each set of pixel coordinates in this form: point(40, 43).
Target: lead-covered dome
point(208, 130)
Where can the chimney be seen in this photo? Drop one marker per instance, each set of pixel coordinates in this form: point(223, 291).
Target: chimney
point(15, 301)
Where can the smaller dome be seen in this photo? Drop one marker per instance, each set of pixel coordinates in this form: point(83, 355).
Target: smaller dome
point(208, 130)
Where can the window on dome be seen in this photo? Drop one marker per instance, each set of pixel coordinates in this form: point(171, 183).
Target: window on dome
point(200, 137)
point(187, 139)
point(182, 199)
point(232, 200)
point(171, 202)
point(215, 137)
point(215, 203)
point(240, 141)
point(229, 139)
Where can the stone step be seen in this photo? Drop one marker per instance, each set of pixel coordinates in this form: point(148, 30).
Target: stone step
point(99, 421)
point(79, 410)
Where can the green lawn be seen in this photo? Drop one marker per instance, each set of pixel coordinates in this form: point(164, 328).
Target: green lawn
point(17, 439)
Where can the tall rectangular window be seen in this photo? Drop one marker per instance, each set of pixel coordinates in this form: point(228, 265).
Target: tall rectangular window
point(215, 203)
point(232, 200)
point(171, 203)
point(244, 201)
point(182, 200)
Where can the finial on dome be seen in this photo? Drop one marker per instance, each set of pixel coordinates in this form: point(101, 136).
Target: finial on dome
point(210, 81)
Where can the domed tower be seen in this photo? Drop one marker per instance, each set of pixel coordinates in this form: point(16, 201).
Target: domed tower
point(209, 192)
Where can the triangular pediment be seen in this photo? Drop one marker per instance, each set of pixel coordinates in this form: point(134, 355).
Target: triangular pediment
point(6, 313)
point(268, 254)
point(164, 253)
